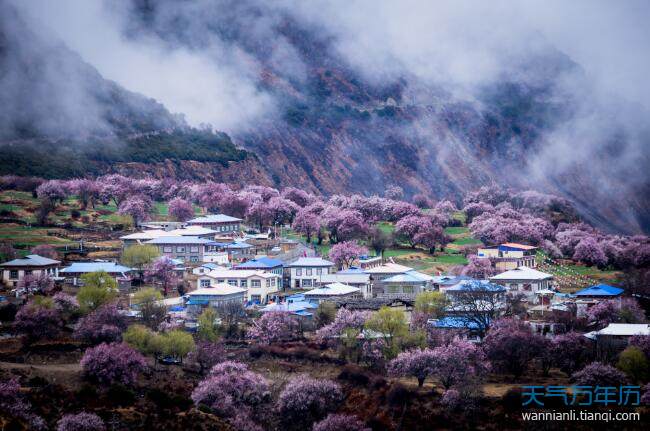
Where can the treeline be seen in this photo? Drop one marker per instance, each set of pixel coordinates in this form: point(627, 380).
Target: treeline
point(65, 159)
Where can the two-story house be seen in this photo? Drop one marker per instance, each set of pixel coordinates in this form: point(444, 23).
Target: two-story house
point(33, 264)
point(189, 249)
point(509, 255)
point(259, 285)
point(267, 264)
point(524, 280)
point(218, 222)
point(307, 272)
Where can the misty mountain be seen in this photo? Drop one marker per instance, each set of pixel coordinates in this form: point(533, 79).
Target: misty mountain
point(332, 122)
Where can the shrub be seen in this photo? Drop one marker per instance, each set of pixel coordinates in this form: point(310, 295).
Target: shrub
point(230, 390)
point(98, 288)
point(304, 400)
point(103, 325)
point(206, 355)
point(113, 363)
point(274, 326)
point(598, 374)
point(334, 422)
point(38, 319)
point(633, 362)
point(80, 422)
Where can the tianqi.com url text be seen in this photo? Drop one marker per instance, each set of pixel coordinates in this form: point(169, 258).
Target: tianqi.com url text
point(581, 415)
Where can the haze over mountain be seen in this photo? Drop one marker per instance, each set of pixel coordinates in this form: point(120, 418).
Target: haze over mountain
point(338, 97)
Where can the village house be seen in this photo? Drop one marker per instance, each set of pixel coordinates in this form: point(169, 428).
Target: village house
point(15, 270)
point(207, 267)
point(120, 273)
point(234, 251)
point(458, 327)
point(306, 272)
point(138, 238)
point(295, 304)
point(592, 295)
point(215, 296)
point(509, 255)
point(260, 285)
point(218, 222)
point(406, 285)
point(194, 230)
point(615, 337)
point(352, 276)
point(274, 266)
point(367, 262)
point(386, 270)
point(185, 248)
point(524, 280)
point(331, 292)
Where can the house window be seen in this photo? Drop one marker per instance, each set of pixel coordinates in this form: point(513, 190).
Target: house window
point(273, 282)
point(256, 283)
point(243, 283)
point(256, 298)
point(306, 283)
point(194, 258)
point(28, 272)
point(221, 281)
point(180, 249)
point(527, 286)
point(393, 289)
point(514, 286)
point(308, 271)
point(319, 271)
point(194, 249)
point(407, 289)
point(298, 272)
point(204, 283)
point(268, 282)
point(167, 249)
point(13, 273)
point(232, 282)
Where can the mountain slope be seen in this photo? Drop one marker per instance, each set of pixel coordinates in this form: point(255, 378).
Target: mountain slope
point(61, 118)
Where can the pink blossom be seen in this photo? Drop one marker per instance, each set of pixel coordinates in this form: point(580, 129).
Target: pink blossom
point(274, 326)
point(103, 325)
point(180, 209)
point(599, 374)
point(346, 252)
point(80, 422)
point(306, 223)
point(113, 363)
point(304, 399)
point(337, 422)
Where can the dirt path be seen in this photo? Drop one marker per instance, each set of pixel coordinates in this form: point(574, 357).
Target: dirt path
point(63, 374)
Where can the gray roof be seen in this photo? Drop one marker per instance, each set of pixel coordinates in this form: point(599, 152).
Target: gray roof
point(179, 240)
point(32, 260)
point(214, 218)
point(82, 267)
point(311, 261)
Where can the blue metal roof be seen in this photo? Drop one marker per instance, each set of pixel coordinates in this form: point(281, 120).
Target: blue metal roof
point(352, 270)
point(261, 263)
point(455, 322)
point(600, 290)
point(110, 267)
point(476, 286)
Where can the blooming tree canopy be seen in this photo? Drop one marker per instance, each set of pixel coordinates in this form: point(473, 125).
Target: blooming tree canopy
point(337, 422)
point(346, 252)
point(180, 209)
point(304, 400)
point(80, 422)
point(113, 363)
point(274, 326)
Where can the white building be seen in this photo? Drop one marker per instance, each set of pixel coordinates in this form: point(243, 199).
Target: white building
point(258, 284)
point(33, 264)
point(307, 272)
point(524, 280)
point(214, 296)
point(359, 279)
point(332, 291)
